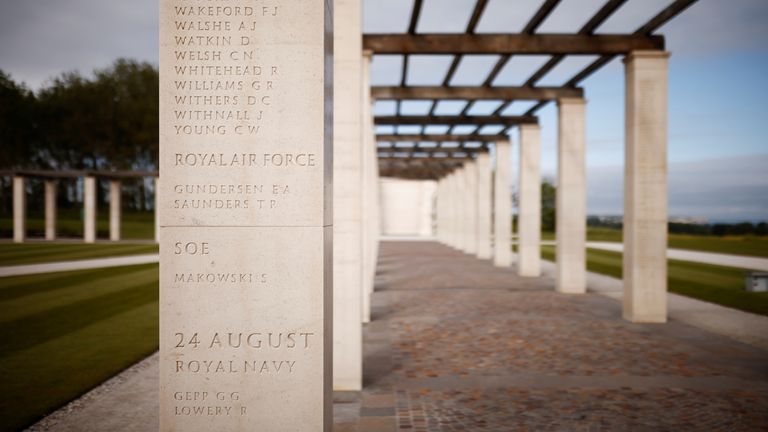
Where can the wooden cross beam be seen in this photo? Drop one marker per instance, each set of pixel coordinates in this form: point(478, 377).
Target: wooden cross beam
point(456, 120)
point(511, 44)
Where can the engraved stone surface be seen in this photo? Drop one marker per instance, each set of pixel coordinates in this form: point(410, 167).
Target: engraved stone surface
point(245, 215)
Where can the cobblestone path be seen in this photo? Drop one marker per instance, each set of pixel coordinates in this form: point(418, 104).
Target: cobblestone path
point(456, 344)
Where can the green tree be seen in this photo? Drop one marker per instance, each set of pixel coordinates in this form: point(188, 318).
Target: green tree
point(108, 122)
point(18, 129)
point(548, 192)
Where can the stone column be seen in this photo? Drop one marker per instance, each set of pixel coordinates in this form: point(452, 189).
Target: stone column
point(484, 206)
point(470, 228)
point(529, 214)
point(19, 209)
point(447, 208)
point(369, 157)
point(114, 209)
point(157, 209)
point(347, 196)
point(461, 209)
point(252, 335)
point(645, 187)
point(50, 210)
point(502, 202)
point(571, 201)
point(451, 210)
point(89, 209)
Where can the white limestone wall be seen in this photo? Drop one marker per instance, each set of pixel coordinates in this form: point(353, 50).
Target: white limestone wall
point(407, 207)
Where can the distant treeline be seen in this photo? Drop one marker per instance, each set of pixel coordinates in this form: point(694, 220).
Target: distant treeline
point(717, 229)
point(109, 121)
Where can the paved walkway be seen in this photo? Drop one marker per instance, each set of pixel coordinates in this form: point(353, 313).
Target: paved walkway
point(727, 260)
point(19, 270)
point(456, 344)
point(738, 261)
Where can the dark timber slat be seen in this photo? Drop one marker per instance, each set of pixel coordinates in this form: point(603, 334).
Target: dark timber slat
point(452, 120)
point(439, 137)
point(665, 15)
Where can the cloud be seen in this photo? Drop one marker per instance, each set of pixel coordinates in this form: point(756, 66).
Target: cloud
point(43, 38)
point(727, 189)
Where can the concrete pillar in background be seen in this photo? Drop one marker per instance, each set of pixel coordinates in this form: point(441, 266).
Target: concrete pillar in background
point(645, 187)
point(89, 209)
point(369, 158)
point(571, 201)
point(50, 210)
point(529, 214)
point(451, 210)
point(461, 209)
point(470, 204)
point(19, 209)
point(114, 209)
point(502, 204)
point(484, 201)
point(347, 196)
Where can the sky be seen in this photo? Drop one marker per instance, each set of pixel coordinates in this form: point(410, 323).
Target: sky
point(718, 153)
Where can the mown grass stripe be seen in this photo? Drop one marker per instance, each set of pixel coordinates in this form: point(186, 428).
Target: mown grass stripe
point(23, 286)
point(90, 285)
point(715, 284)
point(40, 327)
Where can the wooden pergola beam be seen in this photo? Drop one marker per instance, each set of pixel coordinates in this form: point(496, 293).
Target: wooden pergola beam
point(440, 137)
point(475, 93)
point(456, 120)
point(511, 44)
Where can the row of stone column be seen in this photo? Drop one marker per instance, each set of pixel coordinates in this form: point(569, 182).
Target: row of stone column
point(464, 196)
point(89, 209)
point(355, 196)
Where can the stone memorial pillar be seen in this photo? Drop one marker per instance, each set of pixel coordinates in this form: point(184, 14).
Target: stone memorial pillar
point(347, 196)
point(19, 209)
point(446, 209)
point(529, 218)
point(483, 206)
point(50, 210)
point(461, 209)
point(245, 216)
point(369, 158)
point(157, 209)
point(571, 200)
point(470, 205)
point(89, 209)
point(114, 209)
point(442, 205)
point(502, 202)
point(450, 191)
point(645, 187)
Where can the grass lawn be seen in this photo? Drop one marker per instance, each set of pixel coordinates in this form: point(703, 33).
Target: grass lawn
point(134, 225)
point(734, 245)
point(715, 284)
point(32, 253)
point(65, 333)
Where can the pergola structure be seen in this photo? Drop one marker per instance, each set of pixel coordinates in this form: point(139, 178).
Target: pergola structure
point(90, 177)
point(472, 165)
point(461, 165)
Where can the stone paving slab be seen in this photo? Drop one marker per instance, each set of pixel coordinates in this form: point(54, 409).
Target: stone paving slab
point(462, 346)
